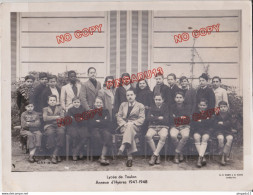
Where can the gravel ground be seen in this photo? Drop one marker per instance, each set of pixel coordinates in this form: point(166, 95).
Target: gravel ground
point(20, 163)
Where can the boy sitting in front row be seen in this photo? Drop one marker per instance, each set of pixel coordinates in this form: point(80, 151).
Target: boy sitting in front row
point(55, 135)
point(30, 123)
point(158, 118)
point(223, 128)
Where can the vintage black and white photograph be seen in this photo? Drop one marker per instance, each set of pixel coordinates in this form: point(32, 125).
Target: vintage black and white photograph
point(126, 96)
point(167, 84)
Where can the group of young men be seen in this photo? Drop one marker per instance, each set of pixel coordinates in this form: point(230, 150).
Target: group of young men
point(125, 110)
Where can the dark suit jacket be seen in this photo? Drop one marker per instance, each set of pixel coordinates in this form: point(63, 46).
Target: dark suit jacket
point(47, 92)
point(37, 98)
point(88, 94)
point(120, 96)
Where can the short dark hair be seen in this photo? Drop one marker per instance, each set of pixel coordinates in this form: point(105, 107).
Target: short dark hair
point(216, 77)
point(159, 74)
point(179, 93)
point(70, 72)
point(204, 76)
point(90, 69)
point(130, 90)
point(29, 77)
point(203, 100)
point(52, 96)
point(222, 103)
point(28, 102)
point(158, 94)
point(52, 77)
point(43, 75)
point(75, 98)
point(173, 75)
point(183, 78)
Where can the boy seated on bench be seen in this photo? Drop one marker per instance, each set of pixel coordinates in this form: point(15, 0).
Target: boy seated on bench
point(158, 118)
point(30, 123)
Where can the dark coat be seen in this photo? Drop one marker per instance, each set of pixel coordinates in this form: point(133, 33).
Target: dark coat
point(47, 92)
point(164, 90)
point(145, 96)
point(37, 98)
point(227, 126)
point(104, 120)
point(177, 112)
point(190, 98)
point(208, 94)
point(120, 96)
point(72, 112)
point(203, 125)
point(155, 112)
point(24, 95)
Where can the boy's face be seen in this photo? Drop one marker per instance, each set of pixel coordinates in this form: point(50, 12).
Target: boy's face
point(159, 80)
point(52, 82)
point(142, 84)
point(158, 100)
point(98, 103)
point(171, 80)
point(223, 108)
point(76, 103)
point(109, 83)
point(202, 82)
point(184, 83)
point(126, 80)
point(29, 82)
point(179, 99)
point(72, 77)
point(92, 74)
point(29, 107)
point(216, 83)
point(202, 106)
point(130, 96)
point(44, 80)
point(52, 101)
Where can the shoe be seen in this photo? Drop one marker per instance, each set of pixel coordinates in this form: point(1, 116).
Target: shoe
point(103, 161)
point(74, 158)
point(158, 160)
point(152, 160)
point(54, 160)
point(31, 159)
point(199, 162)
point(58, 159)
point(176, 159)
point(129, 163)
point(203, 161)
point(36, 159)
point(181, 157)
point(223, 162)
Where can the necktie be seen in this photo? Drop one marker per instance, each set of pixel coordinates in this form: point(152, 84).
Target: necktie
point(74, 89)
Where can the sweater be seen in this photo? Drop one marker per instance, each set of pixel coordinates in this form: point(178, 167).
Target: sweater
point(208, 94)
point(156, 112)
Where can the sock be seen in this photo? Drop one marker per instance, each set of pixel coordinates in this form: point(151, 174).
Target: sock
point(159, 147)
point(122, 147)
point(129, 157)
point(203, 149)
point(104, 151)
point(226, 149)
point(32, 152)
point(198, 147)
point(151, 143)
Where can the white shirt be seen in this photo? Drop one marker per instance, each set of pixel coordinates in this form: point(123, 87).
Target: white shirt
point(220, 95)
point(55, 92)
